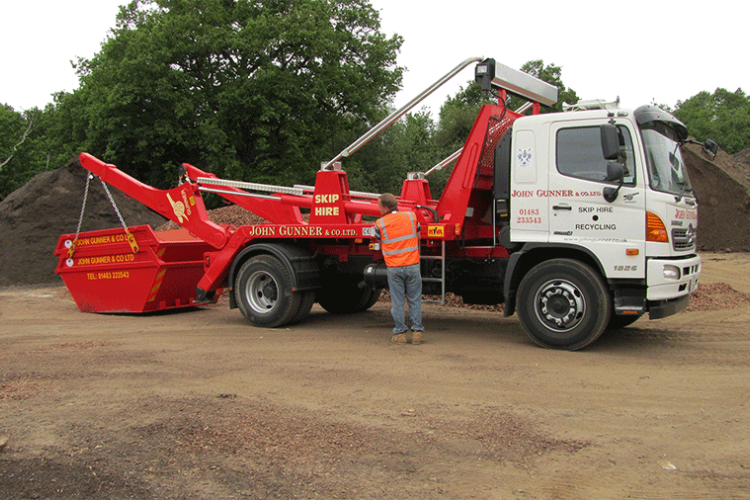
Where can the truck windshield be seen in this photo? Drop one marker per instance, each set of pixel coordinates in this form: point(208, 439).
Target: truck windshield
point(666, 169)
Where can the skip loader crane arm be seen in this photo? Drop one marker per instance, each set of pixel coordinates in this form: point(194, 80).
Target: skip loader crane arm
point(183, 204)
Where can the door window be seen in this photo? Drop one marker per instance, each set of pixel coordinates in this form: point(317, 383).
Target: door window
point(579, 154)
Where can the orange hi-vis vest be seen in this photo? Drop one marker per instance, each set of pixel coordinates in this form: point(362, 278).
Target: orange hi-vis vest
point(399, 239)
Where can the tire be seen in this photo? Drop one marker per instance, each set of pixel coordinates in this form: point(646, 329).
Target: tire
point(305, 304)
point(264, 294)
point(347, 298)
point(563, 304)
point(616, 322)
point(373, 299)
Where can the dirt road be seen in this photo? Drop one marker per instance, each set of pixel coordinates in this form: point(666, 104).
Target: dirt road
point(200, 405)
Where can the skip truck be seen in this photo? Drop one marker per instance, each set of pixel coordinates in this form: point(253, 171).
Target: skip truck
point(579, 221)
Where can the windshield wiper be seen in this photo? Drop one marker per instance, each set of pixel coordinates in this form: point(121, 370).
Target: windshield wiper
point(683, 189)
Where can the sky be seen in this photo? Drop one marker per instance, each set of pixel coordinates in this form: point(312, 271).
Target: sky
point(642, 51)
point(40, 38)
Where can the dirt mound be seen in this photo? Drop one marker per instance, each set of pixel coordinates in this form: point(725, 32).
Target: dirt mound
point(231, 215)
point(33, 217)
point(713, 296)
point(723, 190)
point(743, 160)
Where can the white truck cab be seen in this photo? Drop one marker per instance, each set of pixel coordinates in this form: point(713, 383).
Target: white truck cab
point(603, 194)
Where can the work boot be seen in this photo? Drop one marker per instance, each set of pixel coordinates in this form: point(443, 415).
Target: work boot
point(399, 338)
point(416, 337)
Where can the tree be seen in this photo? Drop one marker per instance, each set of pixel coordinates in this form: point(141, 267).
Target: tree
point(553, 75)
point(723, 116)
point(457, 116)
point(13, 123)
point(28, 145)
point(733, 119)
point(260, 91)
point(698, 113)
point(406, 146)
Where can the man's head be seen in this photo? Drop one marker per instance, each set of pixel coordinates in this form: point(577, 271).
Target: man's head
point(387, 203)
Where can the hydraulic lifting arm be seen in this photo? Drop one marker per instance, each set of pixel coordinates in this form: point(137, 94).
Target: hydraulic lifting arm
point(183, 204)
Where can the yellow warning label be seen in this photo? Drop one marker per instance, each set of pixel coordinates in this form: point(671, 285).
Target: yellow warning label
point(435, 231)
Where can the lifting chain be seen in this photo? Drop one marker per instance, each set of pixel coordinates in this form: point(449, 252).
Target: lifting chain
point(129, 236)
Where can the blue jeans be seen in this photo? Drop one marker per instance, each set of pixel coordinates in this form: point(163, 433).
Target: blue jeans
point(406, 282)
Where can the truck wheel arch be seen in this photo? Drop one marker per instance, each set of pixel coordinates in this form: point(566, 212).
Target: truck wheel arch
point(532, 254)
point(302, 268)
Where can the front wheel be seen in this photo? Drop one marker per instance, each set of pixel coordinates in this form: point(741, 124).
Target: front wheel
point(264, 293)
point(563, 304)
point(617, 322)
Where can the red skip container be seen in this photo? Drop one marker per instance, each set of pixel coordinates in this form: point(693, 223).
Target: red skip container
point(104, 275)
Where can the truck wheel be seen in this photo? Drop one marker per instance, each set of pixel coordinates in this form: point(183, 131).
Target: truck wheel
point(305, 304)
point(347, 299)
point(373, 299)
point(616, 322)
point(264, 292)
point(563, 304)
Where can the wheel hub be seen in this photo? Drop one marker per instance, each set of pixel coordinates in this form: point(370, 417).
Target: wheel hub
point(262, 292)
point(270, 291)
point(560, 305)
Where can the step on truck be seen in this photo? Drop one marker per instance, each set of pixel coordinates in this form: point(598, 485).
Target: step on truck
point(579, 221)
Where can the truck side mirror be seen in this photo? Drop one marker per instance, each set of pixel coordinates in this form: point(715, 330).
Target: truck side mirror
point(711, 147)
point(610, 141)
point(615, 173)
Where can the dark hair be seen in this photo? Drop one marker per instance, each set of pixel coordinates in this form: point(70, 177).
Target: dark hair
point(388, 201)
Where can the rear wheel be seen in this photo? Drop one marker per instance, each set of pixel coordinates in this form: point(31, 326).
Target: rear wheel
point(376, 293)
point(347, 298)
point(305, 304)
point(264, 292)
point(563, 304)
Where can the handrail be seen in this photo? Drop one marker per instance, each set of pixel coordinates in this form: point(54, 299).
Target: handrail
point(390, 119)
point(447, 161)
point(252, 186)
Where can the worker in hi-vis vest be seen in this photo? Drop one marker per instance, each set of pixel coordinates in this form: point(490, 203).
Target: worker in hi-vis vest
point(398, 233)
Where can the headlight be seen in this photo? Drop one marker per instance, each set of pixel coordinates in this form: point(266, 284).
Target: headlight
point(671, 272)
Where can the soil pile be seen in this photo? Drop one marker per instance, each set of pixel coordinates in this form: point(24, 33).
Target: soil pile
point(723, 190)
point(231, 215)
point(33, 217)
point(713, 296)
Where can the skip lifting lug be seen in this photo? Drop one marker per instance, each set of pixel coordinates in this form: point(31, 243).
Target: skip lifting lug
point(131, 240)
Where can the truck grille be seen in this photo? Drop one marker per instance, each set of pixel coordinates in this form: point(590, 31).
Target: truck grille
point(683, 239)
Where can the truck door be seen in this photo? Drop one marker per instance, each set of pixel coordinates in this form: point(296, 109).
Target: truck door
point(578, 213)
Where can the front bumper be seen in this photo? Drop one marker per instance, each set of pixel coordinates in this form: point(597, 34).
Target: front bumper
point(663, 285)
point(664, 308)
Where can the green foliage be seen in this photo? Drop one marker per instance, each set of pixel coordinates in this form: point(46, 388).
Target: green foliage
point(28, 145)
point(722, 116)
point(457, 117)
point(553, 75)
point(14, 124)
point(260, 91)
